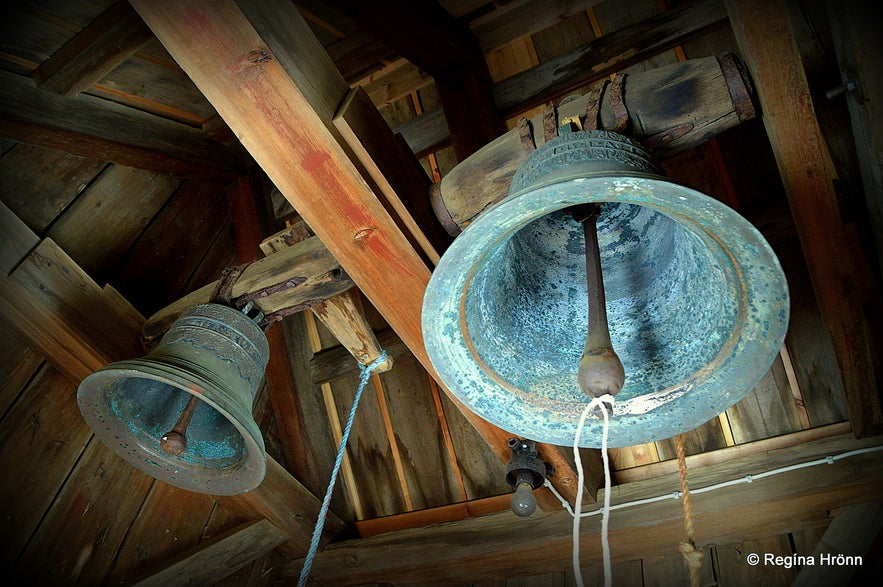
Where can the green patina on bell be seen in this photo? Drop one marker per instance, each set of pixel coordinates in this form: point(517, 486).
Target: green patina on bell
point(697, 302)
point(213, 353)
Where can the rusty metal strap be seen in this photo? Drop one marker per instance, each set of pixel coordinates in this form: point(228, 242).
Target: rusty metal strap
point(281, 313)
point(550, 122)
point(593, 106)
point(224, 290)
point(617, 103)
point(266, 291)
point(526, 136)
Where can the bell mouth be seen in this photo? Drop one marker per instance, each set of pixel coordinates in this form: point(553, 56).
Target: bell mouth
point(696, 300)
point(212, 352)
point(130, 405)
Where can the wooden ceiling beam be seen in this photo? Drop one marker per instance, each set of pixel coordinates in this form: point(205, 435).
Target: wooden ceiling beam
point(502, 545)
point(766, 39)
point(92, 127)
point(594, 61)
point(430, 38)
point(93, 52)
point(280, 100)
point(521, 18)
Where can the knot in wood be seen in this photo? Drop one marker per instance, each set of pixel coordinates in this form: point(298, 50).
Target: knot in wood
point(259, 56)
point(363, 234)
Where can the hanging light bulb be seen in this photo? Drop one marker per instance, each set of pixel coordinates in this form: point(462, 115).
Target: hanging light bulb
point(525, 472)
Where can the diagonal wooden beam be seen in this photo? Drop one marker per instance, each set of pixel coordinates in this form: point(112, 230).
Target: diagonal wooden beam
point(247, 76)
point(851, 534)
point(92, 127)
point(93, 52)
point(217, 558)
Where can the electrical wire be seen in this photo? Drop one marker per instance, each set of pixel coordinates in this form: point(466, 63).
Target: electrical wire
point(829, 460)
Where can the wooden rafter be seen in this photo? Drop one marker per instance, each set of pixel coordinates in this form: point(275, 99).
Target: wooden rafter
point(92, 127)
point(425, 34)
point(93, 52)
point(255, 82)
point(594, 61)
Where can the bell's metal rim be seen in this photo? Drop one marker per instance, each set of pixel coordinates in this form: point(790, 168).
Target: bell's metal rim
point(554, 422)
point(246, 474)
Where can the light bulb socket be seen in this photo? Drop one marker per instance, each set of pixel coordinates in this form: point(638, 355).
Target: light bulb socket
point(525, 466)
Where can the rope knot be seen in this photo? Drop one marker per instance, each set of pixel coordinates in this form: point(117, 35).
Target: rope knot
point(692, 554)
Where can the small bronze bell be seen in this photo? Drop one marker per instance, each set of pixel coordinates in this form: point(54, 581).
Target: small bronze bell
point(182, 414)
point(697, 302)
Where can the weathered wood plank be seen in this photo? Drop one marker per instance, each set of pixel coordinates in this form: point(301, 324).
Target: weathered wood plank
point(669, 569)
point(436, 515)
point(855, 40)
point(18, 364)
point(429, 37)
point(396, 80)
point(322, 448)
point(596, 60)
point(171, 520)
point(219, 557)
point(93, 127)
point(309, 261)
point(38, 184)
point(289, 505)
point(57, 308)
point(769, 410)
point(16, 240)
point(41, 439)
point(125, 199)
point(606, 55)
point(153, 272)
point(102, 45)
point(764, 34)
point(429, 473)
point(156, 86)
point(706, 459)
point(83, 552)
point(732, 568)
point(489, 546)
point(521, 18)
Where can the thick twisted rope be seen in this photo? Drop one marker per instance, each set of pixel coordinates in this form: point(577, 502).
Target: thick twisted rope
point(323, 511)
point(691, 553)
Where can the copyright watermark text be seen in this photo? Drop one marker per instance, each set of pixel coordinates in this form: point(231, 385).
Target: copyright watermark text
point(769, 559)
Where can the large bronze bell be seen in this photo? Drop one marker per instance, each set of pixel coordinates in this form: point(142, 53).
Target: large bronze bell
point(182, 414)
point(696, 300)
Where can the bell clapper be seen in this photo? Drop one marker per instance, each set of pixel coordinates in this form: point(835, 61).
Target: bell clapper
point(174, 442)
point(600, 370)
